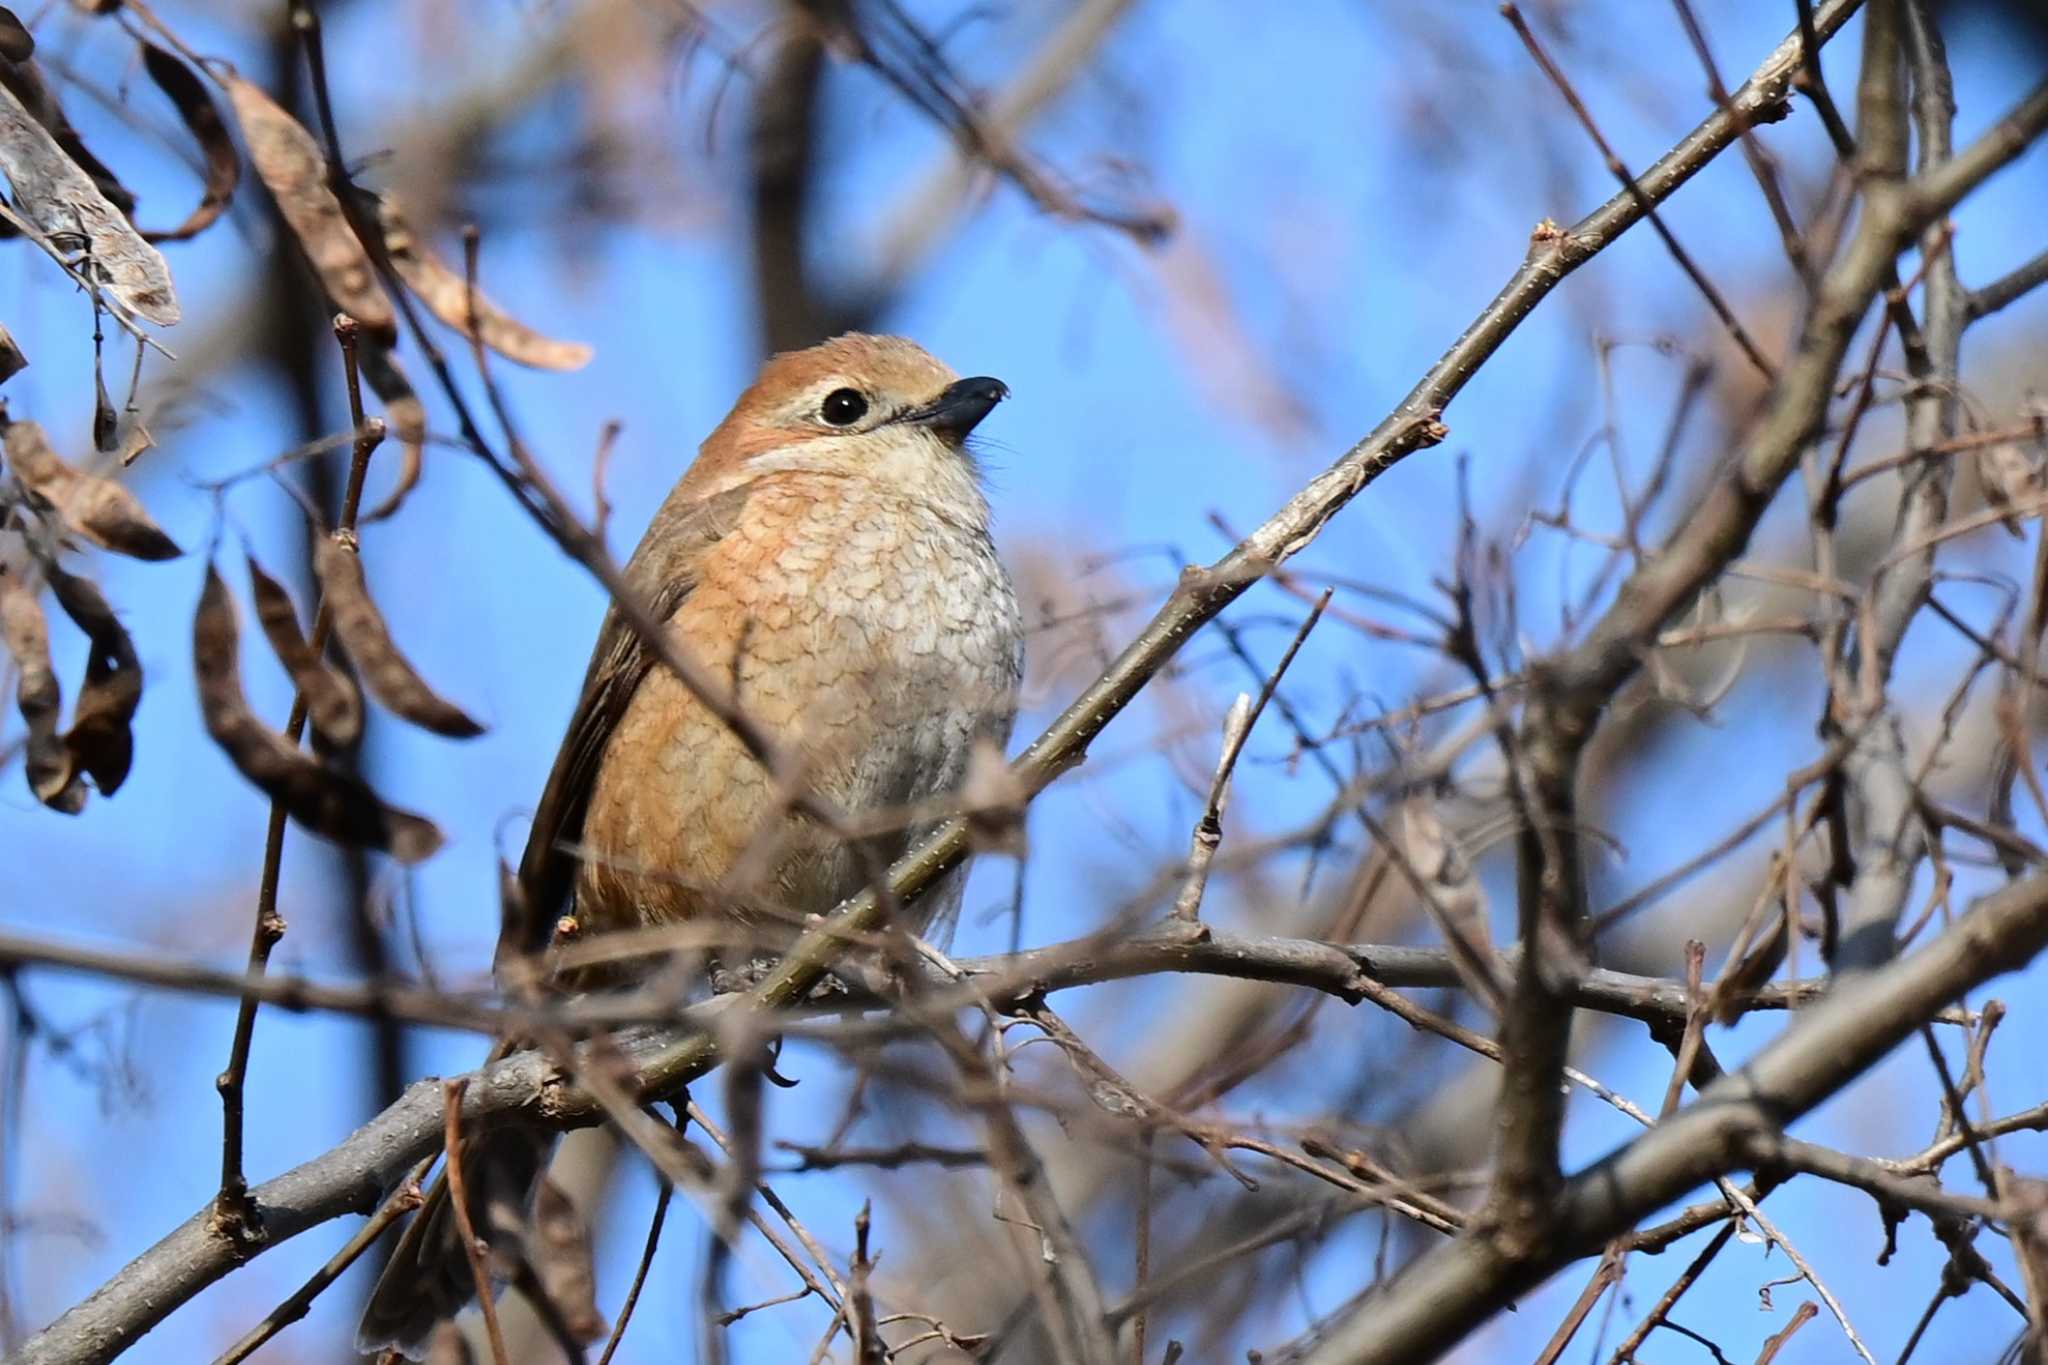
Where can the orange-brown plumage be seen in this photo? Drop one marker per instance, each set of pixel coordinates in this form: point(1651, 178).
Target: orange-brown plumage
point(841, 578)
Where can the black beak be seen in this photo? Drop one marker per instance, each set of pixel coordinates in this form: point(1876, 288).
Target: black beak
point(961, 407)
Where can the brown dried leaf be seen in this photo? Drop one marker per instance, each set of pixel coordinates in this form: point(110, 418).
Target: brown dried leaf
point(202, 119)
point(16, 43)
point(361, 628)
point(25, 632)
point(133, 442)
point(12, 361)
point(406, 415)
point(559, 1252)
point(293, 168)
point(59, 195)
point(100, 739)
point(993, 798)
point(1740, 980)
point(26, 80)
point(1452, 896)
point(1437, 857)
point(2012, 480)
point(332, 702)
point(97, 508)
point(516, 970)
point(448, 296)
point(328, 802)
point(106, 423)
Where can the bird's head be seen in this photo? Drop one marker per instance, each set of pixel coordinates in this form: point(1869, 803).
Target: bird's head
point(871, 407)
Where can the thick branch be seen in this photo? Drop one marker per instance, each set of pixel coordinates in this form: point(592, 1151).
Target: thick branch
point(1882, 792)
point(2009, 288)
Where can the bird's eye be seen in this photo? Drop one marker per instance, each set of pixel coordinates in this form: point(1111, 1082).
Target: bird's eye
point(844, 407)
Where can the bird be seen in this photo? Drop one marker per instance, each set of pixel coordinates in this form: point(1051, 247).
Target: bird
point(827, 557)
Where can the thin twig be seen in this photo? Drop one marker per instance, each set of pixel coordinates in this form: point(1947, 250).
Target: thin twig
point(1621, 172)
point(239, 1217)
point(1237, 728)
point(661, 1203)
point(402, 1201)
point(458, 1197)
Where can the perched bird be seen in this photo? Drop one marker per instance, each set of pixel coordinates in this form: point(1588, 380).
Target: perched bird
point(827, 558)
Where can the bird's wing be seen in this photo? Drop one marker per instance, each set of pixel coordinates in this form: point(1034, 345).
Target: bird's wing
point(662, 573)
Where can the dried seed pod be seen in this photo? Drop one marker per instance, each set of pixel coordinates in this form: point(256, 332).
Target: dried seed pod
point(993, 798)
point(407, 417)
point(447, 294)
point(1452, 895)
point(97, 508)
point(332, 702)
point(12, 361)
point(51, 774)
point(133, 442)
point(58, 192)
point(25, 79)
point(516, 971)
point(101, 739)
point(363, 632)
point(17, 44)
point(106, 423)
point(559, 1250)
point(293, 168)
point(1742, 979)
point(2012, 482)
point(324, 800)
point(181, 84)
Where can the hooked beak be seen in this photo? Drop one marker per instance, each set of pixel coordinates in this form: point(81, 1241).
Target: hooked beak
point(961, 407)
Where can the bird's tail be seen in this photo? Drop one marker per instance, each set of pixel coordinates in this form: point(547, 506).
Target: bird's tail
point(429, 1278)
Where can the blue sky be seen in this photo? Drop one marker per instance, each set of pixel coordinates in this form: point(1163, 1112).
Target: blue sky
point(1356, 182)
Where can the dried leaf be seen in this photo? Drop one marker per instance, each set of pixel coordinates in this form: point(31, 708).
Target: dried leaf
point(293, 168)
point(1452, 895)
point(1434, 852)
point(332, 702)
point(516, 971)
point(1740, 980)
point(101, 739)
point(559, 1251)
point(362, 631)
point(25, 632)
point(106, 423)
point(328, 802)
point(993, 798)
point(448, 296)
point(202, 119)
point(16, 43)
point(99, 509)
point(12, 361)
point(133, 442)
point(406, 415)
point(26, 80)
point(2012, 481)
point(55, 193)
